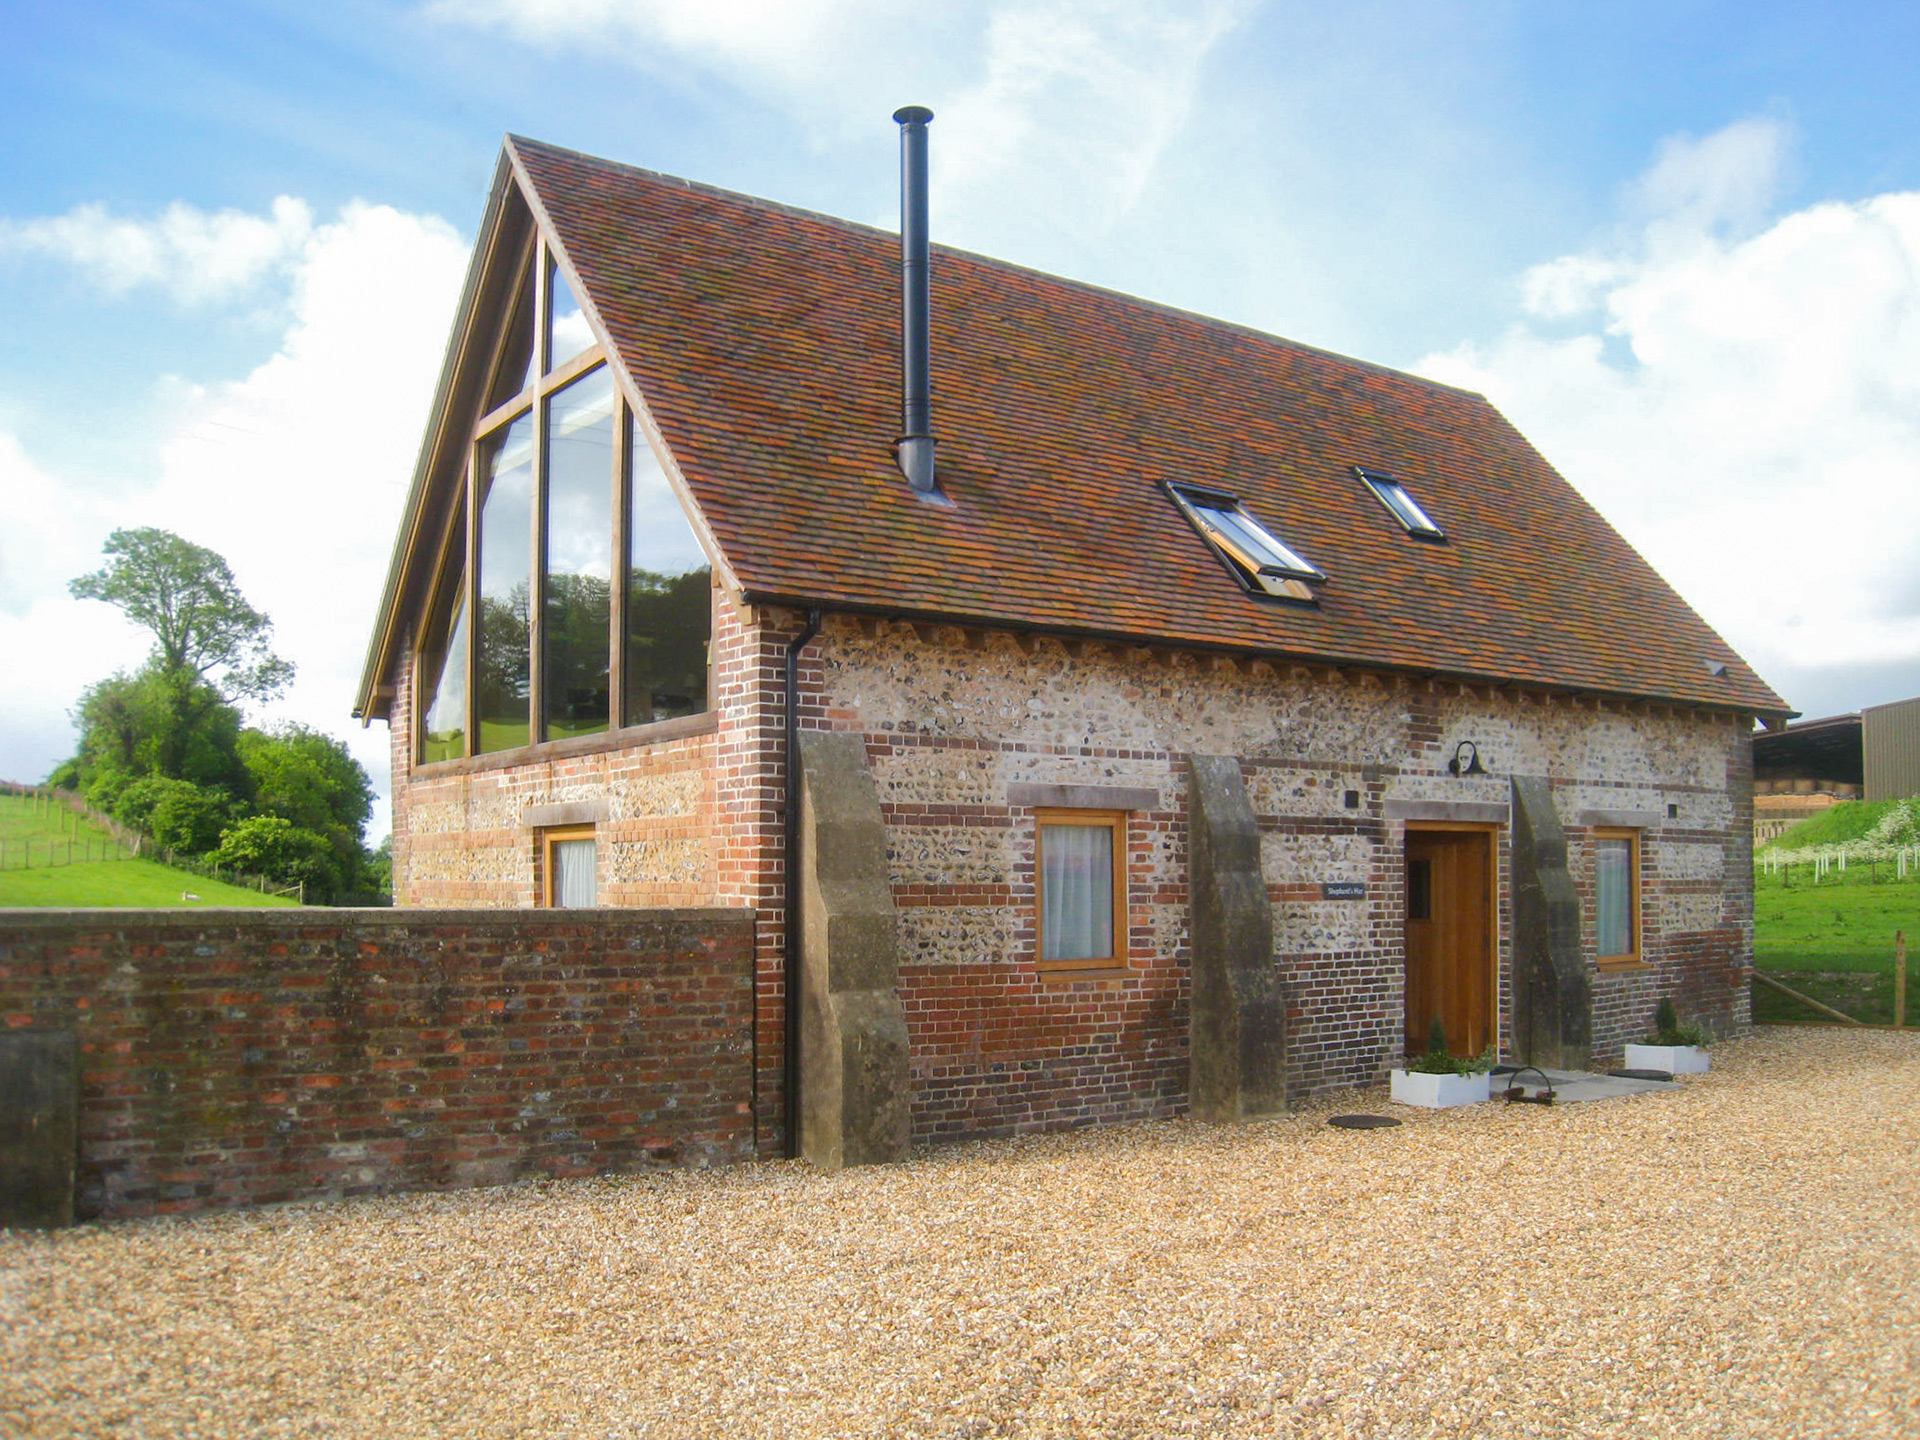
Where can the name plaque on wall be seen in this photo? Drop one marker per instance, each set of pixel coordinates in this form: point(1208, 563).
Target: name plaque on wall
point(1343, 890)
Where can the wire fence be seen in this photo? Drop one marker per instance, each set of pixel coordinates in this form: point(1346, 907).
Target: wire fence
point(1830, 863)
point(78, 845)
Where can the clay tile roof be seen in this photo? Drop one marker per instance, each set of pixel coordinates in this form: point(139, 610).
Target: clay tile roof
point(765, 342)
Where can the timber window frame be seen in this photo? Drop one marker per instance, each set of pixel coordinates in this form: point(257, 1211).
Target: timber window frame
point(1617, 880)
point(559, 854)
point(532, 670)
point(1393, 493)
point(1070, 912)
point(1261, 562)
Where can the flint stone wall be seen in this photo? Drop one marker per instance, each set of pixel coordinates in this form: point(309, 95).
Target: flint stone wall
point(1333, 762)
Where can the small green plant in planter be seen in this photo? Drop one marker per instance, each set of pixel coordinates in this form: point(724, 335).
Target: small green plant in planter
point(1667, 1029)
point(1437, 1080)
point(1675, 1048)
point(1438, 1059)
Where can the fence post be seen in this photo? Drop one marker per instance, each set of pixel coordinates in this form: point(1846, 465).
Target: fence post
point(1899, 978)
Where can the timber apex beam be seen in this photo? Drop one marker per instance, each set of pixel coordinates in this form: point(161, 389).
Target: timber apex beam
point(1237, 1050)
point(854, 1084)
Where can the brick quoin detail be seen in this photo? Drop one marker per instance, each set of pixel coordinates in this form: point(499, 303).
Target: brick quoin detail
point(245, 1058)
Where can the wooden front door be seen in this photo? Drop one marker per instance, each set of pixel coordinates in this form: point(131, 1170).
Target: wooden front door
point(1450, 938)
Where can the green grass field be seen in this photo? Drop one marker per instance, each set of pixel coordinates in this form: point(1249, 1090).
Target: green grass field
point(24, 821)
point(1835, 942)
point(28, 827)
point(1843, 923)
point(142, 884)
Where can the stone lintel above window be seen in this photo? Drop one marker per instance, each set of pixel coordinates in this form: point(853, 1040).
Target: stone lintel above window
point(570, 812)
point(1024, 796)
point(1468, 812)
point(1619, 819)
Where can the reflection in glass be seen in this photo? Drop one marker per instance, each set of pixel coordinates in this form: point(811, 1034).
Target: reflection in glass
point(1613, 896)
point(517, 353)
point(506, 518)
point(669, 602)
point(443, 727)
point(1407, 510)
point(567, 332)
point(1419, 889)
point(1076, 892)
point(1256, 546)
point(575, 682)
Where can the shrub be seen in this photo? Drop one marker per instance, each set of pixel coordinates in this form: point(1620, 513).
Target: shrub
point(176, 813)
point(267, 845)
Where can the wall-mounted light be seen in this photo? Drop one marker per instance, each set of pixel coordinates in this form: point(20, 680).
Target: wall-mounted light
point(1466, 759)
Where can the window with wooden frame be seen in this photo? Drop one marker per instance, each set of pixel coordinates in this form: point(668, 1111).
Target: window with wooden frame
point(1394, 494)
point(576, 598)
point(1616, 896)
point(1264, 564)
point(1080, 883)
point(569, 868)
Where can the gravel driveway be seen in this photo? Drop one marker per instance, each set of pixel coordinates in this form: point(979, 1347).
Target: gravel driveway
point(1739, 1258)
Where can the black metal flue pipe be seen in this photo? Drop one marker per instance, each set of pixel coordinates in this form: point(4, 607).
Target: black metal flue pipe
point(916, 444)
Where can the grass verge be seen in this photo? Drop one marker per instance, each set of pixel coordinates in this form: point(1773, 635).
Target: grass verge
point(1834, 942)
point(1845, 923)
point(139, 884)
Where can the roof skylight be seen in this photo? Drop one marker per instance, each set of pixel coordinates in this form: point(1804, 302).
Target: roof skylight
point(1262, 562)
point(1401, 504)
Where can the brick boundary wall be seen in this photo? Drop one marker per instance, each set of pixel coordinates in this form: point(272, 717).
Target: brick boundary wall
point(233, 1058)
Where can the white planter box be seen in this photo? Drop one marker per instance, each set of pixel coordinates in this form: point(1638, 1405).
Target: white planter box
point(1438, 1092)
point(1674, 1059)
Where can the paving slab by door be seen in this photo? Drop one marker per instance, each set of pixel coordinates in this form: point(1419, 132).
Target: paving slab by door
point(1450, 937)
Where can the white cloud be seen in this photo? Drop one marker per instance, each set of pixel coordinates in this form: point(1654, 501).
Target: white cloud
point(55, 646)
point(196, 255)
point(1078, 103)
point(1742, 399)
point(296, 474)
point(785, 42)
point(1724, 182)
point(1051, 113)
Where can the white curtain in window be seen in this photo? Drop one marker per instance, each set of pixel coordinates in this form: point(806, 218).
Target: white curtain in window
point(1613, 896)
point(1076, 889)
point(573, 881)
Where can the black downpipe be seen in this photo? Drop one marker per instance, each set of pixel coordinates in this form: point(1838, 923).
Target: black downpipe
point(790, 928)
point(915, 446)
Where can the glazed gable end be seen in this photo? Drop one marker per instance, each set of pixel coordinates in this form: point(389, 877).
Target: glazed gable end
point(502, 303)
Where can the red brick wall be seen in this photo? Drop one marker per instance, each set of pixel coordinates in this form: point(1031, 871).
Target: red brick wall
point(243, 1058)
point(749, 826)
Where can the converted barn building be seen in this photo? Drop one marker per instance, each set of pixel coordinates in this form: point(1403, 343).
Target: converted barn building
point(1186, 716)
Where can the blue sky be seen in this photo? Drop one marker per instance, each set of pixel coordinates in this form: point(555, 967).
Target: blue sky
point(1679, 244)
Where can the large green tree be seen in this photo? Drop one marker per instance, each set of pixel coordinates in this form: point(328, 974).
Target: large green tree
point(164, 748)
point(154, 723)
point(202, 625)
